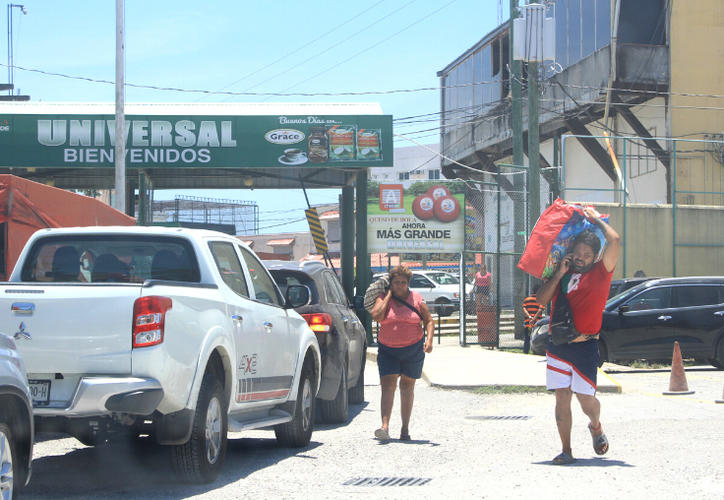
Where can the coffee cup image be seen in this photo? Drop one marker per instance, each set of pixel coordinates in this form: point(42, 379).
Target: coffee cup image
point(293, 154)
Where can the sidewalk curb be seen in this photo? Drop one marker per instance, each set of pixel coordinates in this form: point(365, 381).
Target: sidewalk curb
point(613, 388)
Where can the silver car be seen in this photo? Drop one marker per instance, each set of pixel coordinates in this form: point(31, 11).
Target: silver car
point(16, 421)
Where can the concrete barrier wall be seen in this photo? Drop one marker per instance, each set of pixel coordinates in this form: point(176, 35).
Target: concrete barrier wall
point(647, 234)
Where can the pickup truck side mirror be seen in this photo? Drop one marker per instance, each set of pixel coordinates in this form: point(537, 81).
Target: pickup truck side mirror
point(624, 309)
point(297, 296)
point(359, 302)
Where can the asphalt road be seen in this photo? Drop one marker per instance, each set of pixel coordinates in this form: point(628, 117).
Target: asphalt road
point(465, 445)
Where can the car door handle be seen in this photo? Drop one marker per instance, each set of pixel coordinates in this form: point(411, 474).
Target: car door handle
point(268, 325)
point(719, 313)
point(664, 318)
point(237, 318)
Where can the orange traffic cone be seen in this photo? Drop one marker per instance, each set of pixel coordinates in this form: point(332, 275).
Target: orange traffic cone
point(677, 384)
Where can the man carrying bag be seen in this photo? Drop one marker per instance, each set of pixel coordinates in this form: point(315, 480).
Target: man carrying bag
point(579, 289)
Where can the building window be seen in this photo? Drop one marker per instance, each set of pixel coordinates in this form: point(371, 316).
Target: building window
point(404, 176)
point(433, 174)
point(639, 159)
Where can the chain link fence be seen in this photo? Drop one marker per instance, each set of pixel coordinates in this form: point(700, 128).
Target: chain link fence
point(497, 225)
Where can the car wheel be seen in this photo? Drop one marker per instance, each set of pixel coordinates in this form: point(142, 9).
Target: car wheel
point(443, 307)
point(201, 458)
point(8, 486)
point(715, 363)
point(298, 431)
point(720, 352)
point(602, 353)
point(335, 411)
point(357, 393)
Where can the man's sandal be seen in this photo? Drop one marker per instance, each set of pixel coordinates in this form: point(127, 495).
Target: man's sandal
point(563, 459)
point(600, 443)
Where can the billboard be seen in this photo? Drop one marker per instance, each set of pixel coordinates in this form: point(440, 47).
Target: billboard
point(427, 217)
point(198, 141)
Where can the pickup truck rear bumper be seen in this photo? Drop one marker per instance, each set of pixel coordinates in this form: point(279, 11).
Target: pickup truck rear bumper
point(103, 395)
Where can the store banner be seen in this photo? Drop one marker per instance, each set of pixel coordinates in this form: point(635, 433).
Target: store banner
point(427, 217)
point(175, 141)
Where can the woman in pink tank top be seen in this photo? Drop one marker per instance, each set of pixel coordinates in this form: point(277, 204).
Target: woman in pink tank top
point(401, 347)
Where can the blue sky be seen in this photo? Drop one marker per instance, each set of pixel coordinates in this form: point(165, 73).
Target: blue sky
point(243, 46)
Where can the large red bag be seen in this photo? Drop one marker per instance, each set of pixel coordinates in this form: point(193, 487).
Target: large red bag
point(552, 235)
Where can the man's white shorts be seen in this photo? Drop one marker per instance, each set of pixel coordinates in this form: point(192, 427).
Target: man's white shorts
point(561, 374)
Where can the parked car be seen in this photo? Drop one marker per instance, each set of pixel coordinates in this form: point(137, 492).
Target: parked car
point(441, 291)
point(621, 285)
point(644, 321)
point(16, 421)
point(342, 338)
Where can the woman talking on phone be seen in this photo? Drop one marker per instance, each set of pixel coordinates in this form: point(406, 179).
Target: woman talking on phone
point(402, 347)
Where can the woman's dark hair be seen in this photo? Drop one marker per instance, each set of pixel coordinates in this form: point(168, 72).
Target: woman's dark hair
point(590, 239)
point(400, 271)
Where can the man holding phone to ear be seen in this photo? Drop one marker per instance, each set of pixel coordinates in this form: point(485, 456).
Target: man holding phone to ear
point(572, 367)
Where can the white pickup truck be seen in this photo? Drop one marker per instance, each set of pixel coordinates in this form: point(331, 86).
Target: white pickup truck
point(180, 334)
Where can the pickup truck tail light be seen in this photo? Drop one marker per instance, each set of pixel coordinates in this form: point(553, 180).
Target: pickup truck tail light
point(149, 319)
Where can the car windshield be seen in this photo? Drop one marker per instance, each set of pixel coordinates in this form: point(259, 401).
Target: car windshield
point(443, 279)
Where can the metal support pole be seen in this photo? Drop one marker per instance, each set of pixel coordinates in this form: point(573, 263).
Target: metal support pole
point(347, 242)
point(363, 258)
point(518, 179)
point(120, 139)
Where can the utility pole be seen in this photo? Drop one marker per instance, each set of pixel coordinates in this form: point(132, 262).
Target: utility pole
point(120, 146)
point(533, 145)
point(518, 197)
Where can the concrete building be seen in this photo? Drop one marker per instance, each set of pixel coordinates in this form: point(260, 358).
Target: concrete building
point(662, 64)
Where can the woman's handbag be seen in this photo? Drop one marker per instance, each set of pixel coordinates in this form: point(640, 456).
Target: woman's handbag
point(561, 329)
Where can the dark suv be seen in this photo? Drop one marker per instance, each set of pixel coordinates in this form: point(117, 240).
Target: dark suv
point(646, 320)
point(342, 338)
point(643, 322)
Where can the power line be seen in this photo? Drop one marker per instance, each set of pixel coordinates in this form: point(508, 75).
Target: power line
point(332, 47)
point(372, 46)
point(302, 47)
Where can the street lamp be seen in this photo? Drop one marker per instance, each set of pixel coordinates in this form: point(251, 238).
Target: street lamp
point(10, 41)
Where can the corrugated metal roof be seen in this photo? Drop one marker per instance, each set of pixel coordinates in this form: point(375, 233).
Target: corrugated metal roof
point(280, 243)
point(331, 215)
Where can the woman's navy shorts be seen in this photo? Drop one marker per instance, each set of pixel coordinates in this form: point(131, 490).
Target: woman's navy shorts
point(401, 360)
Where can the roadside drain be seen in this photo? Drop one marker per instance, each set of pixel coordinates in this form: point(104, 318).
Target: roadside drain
point(498, 417)
point(387, 481)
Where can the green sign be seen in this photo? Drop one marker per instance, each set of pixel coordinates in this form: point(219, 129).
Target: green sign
point(174, 141)
point(427, 217)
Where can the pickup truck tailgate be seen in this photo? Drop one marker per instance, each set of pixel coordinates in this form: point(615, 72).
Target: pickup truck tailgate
point(71, 328)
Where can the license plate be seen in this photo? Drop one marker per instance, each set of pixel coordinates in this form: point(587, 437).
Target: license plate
point(40, 391)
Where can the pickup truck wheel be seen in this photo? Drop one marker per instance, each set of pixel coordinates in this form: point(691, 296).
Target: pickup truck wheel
point(335, 411)
point(357, 393)
point(298, 431)
point(201, 458)
point(8, 487)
